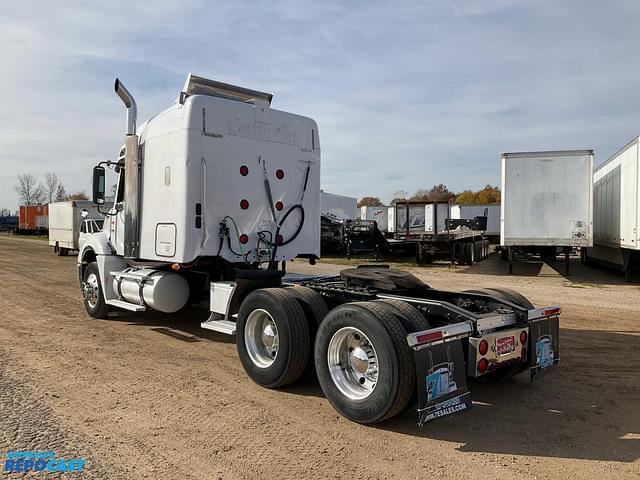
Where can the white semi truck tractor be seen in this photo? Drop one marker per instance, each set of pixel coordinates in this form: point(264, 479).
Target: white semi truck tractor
point(216, 194)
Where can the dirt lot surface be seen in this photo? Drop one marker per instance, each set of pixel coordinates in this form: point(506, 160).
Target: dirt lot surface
point(154, 396)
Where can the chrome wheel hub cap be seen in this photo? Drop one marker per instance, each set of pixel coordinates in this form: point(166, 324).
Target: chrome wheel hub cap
point(261, 338)
point(91, 290)
point(353, 363)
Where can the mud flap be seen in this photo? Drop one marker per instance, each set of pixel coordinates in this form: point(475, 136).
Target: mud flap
point(544, 343)
point(442, 380)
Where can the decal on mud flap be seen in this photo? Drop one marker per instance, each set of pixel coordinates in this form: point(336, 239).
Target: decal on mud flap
point(442, 388)
point(544, 351)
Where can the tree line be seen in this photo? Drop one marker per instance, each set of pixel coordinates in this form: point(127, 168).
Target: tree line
point(33, 191)
point(440, 193)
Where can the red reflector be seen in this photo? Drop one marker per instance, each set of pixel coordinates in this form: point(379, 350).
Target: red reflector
point(280, 174)
point(483, 348)
point(483, 364)
point(244, 170)
point(552, 311)
point(244, 238)
point(523, 337)
point(279, 239)
point(244, 204)
point(279, 206)
point(429, 337)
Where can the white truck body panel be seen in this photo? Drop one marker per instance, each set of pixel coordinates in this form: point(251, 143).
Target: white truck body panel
point(471, 211)
point(65, 220)
point(192, 154)
point(379, 214)
point(547, 199)
point(338, 206)
point(435, 214)
point(616, 194)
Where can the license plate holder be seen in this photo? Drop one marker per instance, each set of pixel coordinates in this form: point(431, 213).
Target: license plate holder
point(505, 345)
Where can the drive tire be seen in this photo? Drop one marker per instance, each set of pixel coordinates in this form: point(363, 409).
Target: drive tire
point(513, 297)
point(284, 311)
point(95, 305)
point(395, 381)
point(409, 316)
point(315, 309)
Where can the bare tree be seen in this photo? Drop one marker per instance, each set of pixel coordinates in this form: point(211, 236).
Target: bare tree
point(77, 196)
point(51, 183)
point(29, 189)
point(61, 194)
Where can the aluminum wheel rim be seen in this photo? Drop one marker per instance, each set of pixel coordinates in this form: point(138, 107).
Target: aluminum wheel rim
point(91, 290)
point(353, 363)
point(261, 338)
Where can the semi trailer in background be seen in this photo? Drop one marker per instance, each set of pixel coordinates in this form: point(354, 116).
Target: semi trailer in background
point(428, 227)
point(492, 212)
point(34, 219)
point(616, 211)
point(71, 221)
point(337, 206)
point(546, 203)
point(216, 194)
point(377, 214)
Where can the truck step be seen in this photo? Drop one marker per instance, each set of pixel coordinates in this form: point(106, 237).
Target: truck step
point(132, 307)
point(222, 326)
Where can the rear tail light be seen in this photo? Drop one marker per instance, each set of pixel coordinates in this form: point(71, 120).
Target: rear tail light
point(523, 337)
point(483, 364)
point(279, 206)
point(483, 348)
point(244, 238)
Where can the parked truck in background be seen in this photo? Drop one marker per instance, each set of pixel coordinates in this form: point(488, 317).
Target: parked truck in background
point(546, 203)
point(71, 221)
point(216, 194)
point(616, 211)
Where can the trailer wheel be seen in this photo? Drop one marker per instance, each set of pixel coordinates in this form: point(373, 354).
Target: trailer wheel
point(272, 337)
point(315, 309)
point(364, 364)
point(92, 292)
point(468, 253)
point(409, 316)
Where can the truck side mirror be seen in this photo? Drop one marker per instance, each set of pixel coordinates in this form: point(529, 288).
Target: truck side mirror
point(98, 185)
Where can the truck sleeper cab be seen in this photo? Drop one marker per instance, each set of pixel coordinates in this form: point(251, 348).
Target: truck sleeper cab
point(215, 194)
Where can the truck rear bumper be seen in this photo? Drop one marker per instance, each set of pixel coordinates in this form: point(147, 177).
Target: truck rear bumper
point(442, 369)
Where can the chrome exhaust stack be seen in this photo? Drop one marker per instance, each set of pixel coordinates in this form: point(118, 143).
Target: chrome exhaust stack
point(130, 103)
point(132, 179)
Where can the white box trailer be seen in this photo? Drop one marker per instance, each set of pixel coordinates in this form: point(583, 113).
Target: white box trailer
point(338, 206)
point(471, 211)
point(547, 201)
point(66, 223)
point(616, 209)
point(379, 214)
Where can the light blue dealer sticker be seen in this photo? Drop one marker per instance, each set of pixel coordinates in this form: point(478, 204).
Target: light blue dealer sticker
point(544, 352)
point(40, 461)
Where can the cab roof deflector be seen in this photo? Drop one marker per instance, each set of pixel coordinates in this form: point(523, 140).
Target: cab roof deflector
point(195, 85)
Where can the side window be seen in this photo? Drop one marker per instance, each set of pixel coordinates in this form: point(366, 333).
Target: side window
point(83, 227)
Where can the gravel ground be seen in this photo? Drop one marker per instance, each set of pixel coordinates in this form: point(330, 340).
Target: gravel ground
point(154, 396)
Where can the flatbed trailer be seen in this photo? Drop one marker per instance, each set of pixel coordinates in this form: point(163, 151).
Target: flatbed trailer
point(460, 247)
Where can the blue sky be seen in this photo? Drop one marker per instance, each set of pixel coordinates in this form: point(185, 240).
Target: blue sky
point(406, 94)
